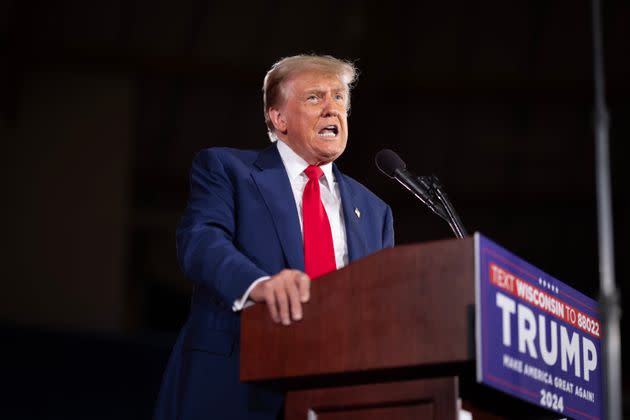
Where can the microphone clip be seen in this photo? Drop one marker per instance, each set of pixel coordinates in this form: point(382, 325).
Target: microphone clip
point(435, 192)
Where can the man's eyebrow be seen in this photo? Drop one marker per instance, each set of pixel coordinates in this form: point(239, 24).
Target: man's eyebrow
point(321, 90)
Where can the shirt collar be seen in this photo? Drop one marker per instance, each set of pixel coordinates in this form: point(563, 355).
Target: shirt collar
point(295, 165)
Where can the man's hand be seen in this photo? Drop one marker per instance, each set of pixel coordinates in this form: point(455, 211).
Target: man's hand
point(284, 294)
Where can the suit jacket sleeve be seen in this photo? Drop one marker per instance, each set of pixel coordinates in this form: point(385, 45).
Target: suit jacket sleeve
point(205, 235)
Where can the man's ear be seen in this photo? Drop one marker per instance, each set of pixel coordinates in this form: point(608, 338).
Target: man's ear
point(278, 120)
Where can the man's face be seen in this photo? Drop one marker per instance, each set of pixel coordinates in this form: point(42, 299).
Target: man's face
point(313, 120)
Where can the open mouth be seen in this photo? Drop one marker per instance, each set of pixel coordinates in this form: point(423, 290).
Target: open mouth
point(329, 131)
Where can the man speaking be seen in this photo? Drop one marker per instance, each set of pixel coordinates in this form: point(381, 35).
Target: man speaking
point(259, 227)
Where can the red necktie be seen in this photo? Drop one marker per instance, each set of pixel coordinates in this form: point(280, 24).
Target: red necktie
point(319, 254)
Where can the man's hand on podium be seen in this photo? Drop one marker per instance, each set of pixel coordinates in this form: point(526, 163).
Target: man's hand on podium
point(284, 294)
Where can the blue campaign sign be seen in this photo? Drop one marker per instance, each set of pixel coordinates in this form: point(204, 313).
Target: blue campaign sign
point(537, 338)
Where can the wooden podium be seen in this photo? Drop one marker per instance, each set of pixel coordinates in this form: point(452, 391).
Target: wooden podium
point(388, 336)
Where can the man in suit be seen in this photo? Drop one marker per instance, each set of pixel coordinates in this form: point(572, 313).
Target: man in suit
point(259, 226)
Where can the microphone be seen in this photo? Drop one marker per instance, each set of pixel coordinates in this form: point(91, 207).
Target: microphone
point(393, 166)
point(425, 188)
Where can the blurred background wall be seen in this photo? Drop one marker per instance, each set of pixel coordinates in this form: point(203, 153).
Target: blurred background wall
point(103, 104)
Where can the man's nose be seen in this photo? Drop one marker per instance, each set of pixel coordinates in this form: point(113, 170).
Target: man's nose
point(330, 112)
point(330, 108)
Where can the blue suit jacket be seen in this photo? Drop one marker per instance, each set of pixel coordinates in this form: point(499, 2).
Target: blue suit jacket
point(241, 223)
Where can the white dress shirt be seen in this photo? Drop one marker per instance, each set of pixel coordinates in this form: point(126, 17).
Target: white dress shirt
point(331, 198)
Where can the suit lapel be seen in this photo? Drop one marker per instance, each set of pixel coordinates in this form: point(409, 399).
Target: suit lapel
point(275, 189)
point(355, 238)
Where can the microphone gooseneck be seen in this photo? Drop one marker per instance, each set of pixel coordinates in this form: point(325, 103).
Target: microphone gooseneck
point(394, 167)
point(427, 189)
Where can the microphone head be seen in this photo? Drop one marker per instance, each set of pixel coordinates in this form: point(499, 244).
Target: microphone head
point(388, 161)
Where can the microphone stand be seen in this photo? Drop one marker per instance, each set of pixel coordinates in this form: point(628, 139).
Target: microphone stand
point(609, 293)
point(432, 184)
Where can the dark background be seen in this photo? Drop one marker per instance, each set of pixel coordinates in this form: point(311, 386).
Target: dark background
point(103, 105)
